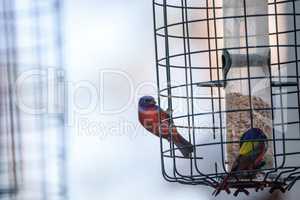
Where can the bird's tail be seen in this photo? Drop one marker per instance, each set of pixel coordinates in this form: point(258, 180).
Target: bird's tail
point(184, 146)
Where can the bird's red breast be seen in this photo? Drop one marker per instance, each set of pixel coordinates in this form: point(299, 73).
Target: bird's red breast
point(150, 120)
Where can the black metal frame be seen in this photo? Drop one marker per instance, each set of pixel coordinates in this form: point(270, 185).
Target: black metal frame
point(282, 176)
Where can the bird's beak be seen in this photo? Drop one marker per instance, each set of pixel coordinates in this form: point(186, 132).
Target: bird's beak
point(153, 102)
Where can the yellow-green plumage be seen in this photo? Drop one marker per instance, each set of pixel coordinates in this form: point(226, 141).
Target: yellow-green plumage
point(248, 148)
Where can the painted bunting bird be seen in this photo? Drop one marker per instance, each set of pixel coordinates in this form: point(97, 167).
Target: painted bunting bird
point(253, 146)
point(149, 117)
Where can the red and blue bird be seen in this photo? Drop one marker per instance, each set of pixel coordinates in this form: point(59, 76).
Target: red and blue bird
point(253, 147)
point(155, 119)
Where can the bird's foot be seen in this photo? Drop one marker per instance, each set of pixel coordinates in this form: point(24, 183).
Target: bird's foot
point(220, 188)
point(240, 190)
point(277, 186)
point(260, 187)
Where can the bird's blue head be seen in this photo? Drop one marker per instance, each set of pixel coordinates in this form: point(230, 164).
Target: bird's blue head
point(254, 134)
point(147, 102)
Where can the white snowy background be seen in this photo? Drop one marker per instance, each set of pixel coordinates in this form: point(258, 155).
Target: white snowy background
point(110, 50)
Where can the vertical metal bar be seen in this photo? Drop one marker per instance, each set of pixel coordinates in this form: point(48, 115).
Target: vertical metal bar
point(191, 114)
point(185, 36)
point(39, 97)
point(280, 88)
point(248, 64)
point(219, 90)
point(158, 87)
point(63, 145)
point(210, 70)
point(211, 78)
point(19, 146)
point(296, 54)
point(169, 85)
point(272, 113)
point(10, 122)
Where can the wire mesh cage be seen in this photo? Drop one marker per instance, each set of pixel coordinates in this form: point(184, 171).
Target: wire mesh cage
point(33, 142)
point(227, 69)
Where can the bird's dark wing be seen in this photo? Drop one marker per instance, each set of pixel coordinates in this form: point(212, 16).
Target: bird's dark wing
point(244, 163)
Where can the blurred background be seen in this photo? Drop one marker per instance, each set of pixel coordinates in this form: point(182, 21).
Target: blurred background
point(72, 75)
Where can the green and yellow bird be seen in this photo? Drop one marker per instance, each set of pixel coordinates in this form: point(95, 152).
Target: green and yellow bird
point(253, 146)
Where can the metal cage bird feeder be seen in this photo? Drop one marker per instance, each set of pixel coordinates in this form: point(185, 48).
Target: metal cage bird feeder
point(224, 67)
